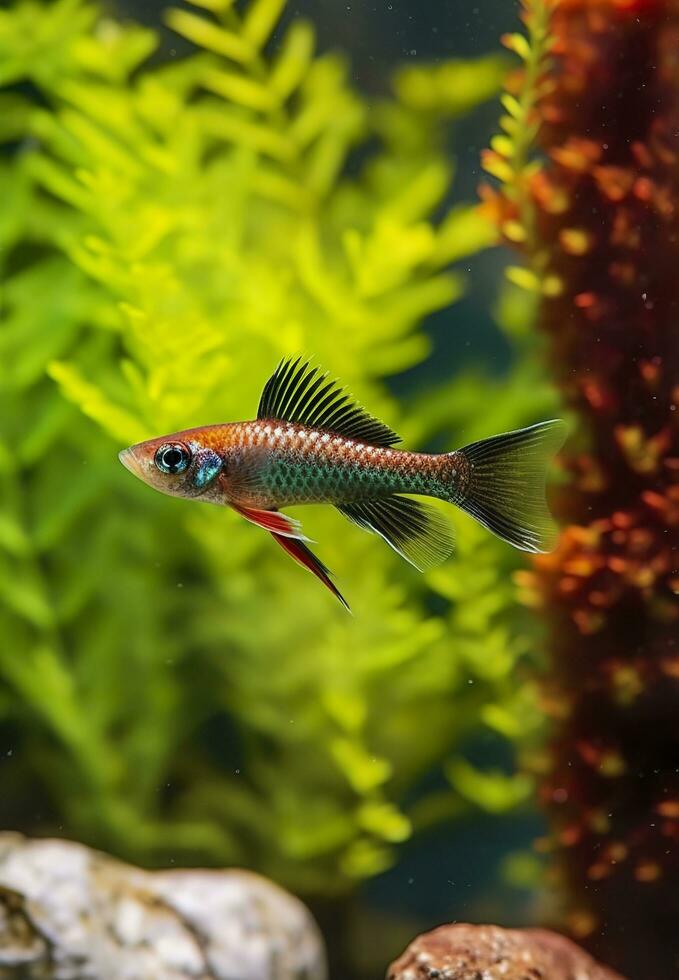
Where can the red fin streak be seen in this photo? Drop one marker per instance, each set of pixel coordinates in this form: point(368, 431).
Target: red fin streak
point(274, 521)
point(305, 557)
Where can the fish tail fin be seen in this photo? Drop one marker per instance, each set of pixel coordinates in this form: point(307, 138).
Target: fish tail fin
point(505, 489)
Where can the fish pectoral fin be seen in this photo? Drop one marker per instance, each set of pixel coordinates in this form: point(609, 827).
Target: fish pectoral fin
point(272, 520)
point(415, 530)
point(305, 557)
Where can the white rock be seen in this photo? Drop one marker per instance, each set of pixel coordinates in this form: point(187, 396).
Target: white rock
point(70, 913)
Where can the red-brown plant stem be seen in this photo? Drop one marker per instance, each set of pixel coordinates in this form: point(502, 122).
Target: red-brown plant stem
point(606, 225)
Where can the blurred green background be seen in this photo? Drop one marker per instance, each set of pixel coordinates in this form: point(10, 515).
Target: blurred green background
point(190, 194)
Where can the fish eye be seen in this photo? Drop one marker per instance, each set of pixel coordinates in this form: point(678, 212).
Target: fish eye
point(172, 458)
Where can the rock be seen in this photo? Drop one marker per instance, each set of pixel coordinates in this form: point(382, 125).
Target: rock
point(464, 952)
point(70, 913)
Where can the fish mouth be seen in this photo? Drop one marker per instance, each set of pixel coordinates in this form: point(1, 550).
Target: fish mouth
point(130, 461)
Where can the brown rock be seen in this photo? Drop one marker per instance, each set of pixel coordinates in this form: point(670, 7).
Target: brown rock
point(465, 952)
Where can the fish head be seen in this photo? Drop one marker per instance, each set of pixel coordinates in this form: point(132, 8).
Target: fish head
point(180, 465)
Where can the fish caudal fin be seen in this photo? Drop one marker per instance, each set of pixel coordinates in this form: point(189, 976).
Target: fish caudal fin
point(506, 490)
point(307, 559)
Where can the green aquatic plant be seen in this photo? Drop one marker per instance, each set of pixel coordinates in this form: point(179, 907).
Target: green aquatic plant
point(172, 688)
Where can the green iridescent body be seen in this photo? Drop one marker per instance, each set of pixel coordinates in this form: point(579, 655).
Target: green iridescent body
point(272, 464)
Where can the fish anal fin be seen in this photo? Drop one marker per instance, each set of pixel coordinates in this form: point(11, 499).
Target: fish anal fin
point(307, 559)
point(273, 521)
point(301, 394)
point(415, 530)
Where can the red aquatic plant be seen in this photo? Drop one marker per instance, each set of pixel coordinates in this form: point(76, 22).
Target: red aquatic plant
point(598, 218)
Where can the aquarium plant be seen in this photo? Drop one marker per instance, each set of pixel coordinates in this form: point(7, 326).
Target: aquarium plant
point(596, 214)
point(171, 687)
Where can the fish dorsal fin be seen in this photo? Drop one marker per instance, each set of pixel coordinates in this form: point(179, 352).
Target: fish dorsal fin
point(298, 393)
point(416, 531)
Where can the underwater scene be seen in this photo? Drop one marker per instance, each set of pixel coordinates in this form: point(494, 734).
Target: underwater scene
point(339, 489)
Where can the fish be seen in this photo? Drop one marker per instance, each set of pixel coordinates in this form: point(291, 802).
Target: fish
point(311, 443)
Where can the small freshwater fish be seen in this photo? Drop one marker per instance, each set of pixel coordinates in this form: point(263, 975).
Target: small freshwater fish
point(312, 444)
